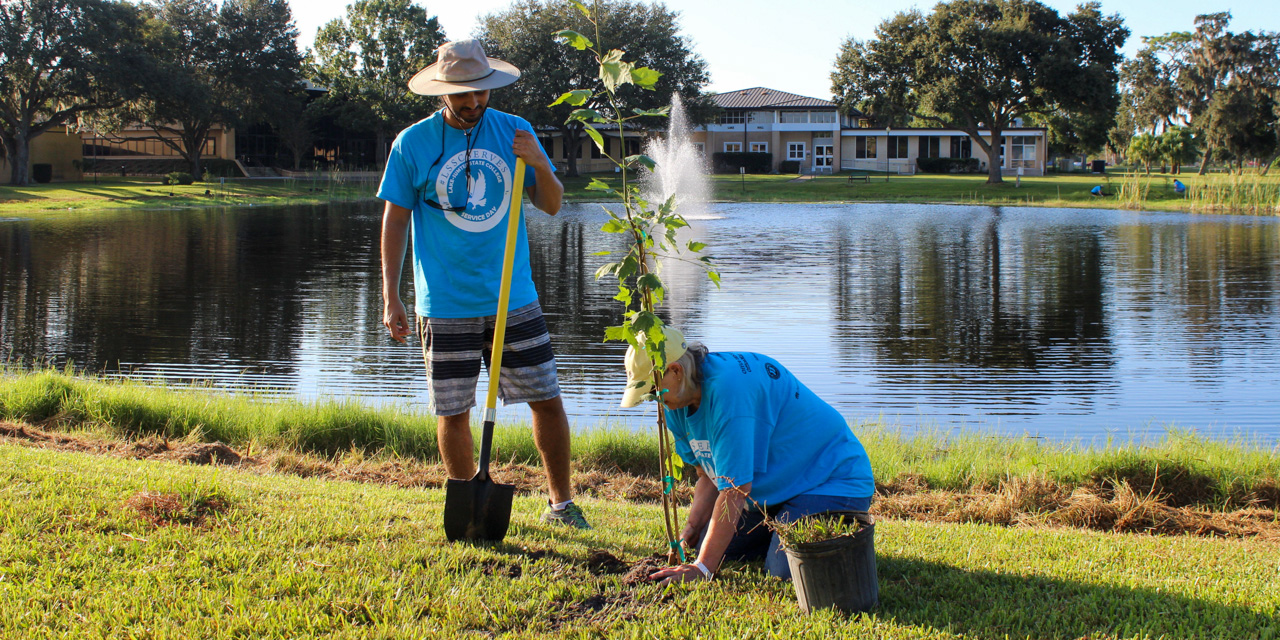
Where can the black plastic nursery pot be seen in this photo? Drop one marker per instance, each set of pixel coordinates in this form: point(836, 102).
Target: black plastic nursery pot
point(840, 572)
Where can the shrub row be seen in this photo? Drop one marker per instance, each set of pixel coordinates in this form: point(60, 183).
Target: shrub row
point(730, 161)
point(947, 165)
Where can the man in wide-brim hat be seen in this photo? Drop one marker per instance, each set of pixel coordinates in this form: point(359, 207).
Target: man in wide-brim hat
point(449, 181)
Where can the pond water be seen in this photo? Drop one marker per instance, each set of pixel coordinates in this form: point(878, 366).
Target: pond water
point(1064, 324)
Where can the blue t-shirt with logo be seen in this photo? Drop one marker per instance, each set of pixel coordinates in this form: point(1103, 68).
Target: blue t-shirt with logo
point(757, 423)
point(457, 256)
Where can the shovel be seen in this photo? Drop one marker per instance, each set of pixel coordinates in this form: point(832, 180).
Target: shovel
point(479, 508)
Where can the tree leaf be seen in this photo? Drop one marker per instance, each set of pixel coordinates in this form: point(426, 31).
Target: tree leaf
point(575, 39)
point(577, 97)
point(620, 333)
point(582, 7)
point(696, 246)
point(649, 281)
point(642, 159)
point(597, 184)
point(614, 72)
point(628, 267)
point(607, 269)
point(624, 296)
point(715, 277)
point(675, 466)
point(668, 206)
point(602, 253)
point(595, 136)
point(584, 115)
point(615, 226)
point(645, 78)
point(662, 112)
point(644, 322)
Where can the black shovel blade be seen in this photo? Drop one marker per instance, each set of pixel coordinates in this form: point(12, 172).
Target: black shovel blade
point(477, 509)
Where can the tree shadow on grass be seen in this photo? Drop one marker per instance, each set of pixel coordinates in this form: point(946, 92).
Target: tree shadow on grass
point(984, 604)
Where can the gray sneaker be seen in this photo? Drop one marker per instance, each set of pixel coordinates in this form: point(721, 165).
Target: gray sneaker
point(570, 515)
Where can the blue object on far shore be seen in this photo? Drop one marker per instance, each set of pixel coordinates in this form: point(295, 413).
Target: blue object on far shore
point(1097, 191)
point(1178, 187)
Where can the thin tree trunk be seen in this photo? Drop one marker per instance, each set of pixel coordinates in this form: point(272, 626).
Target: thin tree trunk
point(1204, 162)
point(572, 141)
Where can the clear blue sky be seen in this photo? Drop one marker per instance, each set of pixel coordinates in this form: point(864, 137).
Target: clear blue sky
point(791, 46)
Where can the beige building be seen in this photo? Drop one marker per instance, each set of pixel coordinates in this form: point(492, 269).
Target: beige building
point(136, 144)
point(589, 157)
point(58, 147)
point(812, 132)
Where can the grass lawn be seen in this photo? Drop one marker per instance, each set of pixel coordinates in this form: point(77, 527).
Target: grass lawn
point(89, 549)
point(149, 193)
point(1055, 190)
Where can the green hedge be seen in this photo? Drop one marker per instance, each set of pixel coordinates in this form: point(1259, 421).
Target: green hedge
point(947, 165)
point(730, 161)
point(789, 166)
point(178, 177)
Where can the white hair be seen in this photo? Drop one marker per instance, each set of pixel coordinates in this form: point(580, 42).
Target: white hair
point(691, 363)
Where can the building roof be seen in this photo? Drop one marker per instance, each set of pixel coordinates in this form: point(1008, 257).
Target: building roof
point(765, 98)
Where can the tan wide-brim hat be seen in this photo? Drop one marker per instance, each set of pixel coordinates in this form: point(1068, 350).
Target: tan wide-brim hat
point(462, 66)
point(640, 367)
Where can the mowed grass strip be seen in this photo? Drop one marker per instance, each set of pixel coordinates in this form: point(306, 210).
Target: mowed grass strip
point(149, 193)
point(1214, 193)
point(284, 557)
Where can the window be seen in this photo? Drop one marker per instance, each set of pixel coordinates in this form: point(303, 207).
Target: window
point(733, 147)
point(759, 147)
point(898, 147)
point(733, 117)
point(633, 146)
point(701, 148)
point(595, 151)
point(930, 146)
point(864, 146)
point(793, 117)
point(822, 117)
point(765, 117)
point(1023, 148)
point(548, 145)
point(795, 151)
point(961, 147)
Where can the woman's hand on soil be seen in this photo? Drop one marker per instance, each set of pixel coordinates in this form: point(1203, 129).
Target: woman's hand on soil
point(681, 573)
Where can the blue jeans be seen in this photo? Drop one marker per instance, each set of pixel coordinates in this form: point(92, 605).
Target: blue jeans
point(754, 541)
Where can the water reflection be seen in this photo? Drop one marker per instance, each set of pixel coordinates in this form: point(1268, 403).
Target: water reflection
point(1054, 322)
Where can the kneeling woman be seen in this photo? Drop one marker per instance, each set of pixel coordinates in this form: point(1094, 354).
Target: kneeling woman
point(763, 444)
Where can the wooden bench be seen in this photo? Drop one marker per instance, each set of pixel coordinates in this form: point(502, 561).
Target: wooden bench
point(864, 176)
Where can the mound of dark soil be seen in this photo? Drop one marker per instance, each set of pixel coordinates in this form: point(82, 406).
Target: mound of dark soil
point(640, 571)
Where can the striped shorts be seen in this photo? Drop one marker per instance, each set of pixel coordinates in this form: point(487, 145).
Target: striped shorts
point(454, 348)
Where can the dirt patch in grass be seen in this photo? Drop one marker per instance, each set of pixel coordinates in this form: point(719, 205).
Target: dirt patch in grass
point(205, 453)
point(168, 509)
point(601, 562)
point(1163, 505)
point(642, 568)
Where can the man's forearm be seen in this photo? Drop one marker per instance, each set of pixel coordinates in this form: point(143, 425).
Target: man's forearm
point(724, 524)
point(704, 500)
point(548, 193)
point(395, 241)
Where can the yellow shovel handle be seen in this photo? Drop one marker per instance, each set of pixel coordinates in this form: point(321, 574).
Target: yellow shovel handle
point(504, 293)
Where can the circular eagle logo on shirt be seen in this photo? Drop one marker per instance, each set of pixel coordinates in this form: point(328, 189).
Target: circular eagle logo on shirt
point(772, 370)
point(487, 197)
